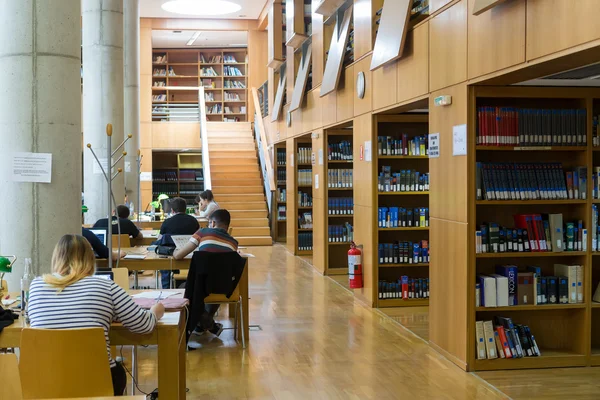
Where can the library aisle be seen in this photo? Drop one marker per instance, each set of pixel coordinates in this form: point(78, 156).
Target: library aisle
point(315, 342)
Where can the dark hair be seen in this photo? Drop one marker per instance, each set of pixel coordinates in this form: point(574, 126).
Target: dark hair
point(123, 211)
point(178, 205)
point(221, 217)
point(207, 195)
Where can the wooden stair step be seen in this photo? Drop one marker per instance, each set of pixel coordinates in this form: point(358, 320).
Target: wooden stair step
point(232, 153)
point(255, 240)
point(214, 127)
point(230, 146)
point(237, 190)
point(247, 213)
point(236, 182)
point(233, 161)
point(229, 134)
point(225, 198)
point(227, 140)
point(243, 174)
point(229, 168)
point(251, 231)
point(248, 205)
point(249, 222)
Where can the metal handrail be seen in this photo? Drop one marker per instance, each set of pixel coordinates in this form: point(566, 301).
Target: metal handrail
point(204, 139)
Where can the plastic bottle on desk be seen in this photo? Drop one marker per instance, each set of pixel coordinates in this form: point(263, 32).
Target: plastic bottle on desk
point(25, 284)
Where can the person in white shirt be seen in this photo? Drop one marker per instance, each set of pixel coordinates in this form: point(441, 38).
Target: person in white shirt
point(207, 203)
point(71, 297)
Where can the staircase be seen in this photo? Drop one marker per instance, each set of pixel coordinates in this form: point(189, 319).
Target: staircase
point(236, 181)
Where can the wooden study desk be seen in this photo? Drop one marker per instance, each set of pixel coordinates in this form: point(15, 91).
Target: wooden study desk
point(150, 235)
point(154, 262)
point(155, 225)
point(169, 336)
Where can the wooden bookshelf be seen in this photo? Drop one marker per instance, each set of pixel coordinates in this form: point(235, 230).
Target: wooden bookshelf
point(226, 93)
point(303, 197)
point(280, 217)
point(338, 197)
point(395, 126)
point(183, 173)
point(551, 324)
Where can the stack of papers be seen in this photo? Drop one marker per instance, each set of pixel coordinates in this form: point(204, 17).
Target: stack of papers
point(155, 295)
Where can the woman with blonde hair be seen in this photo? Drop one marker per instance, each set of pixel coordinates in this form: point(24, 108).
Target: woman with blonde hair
point(71, 297)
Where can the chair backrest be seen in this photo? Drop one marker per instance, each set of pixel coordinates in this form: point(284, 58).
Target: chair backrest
point(11, 380)
point(3, 286)
point(121, 277)
point(63, 363)
point(125, 241)
point(230, 231)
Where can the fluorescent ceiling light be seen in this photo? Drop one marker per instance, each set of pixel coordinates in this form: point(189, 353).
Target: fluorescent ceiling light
point(193, 39)
point(201, 7)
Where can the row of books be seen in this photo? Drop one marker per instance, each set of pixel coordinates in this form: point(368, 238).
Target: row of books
point(504, 340)
point(595, 131)
point(510, 126)
point(281, 195)
point(191, 175)
point(212, 60)
point(281, 175)
point(166, 188)
point(229, 58)
point(192, 188)
point(232, 96)
point(159, 72)
point(340, 233)
point(341, 151)
point(281, 213)
point(509, 287)
point(305, 177)
point(304, 155)
point(209, 96)
point(532, 233)
point(596, 183)
point(164, 176)
point(400, 217)
point(403, 252)
point(340, 205)
point(281, 158)
point(305, 220)
point(172, 72)
point(305, 241)
point(231, 119)
point(405, 288)
point(231, 71)
point(159, 84)
point(214, 109)
point(208, 83)
point(340, 178)
point(160, 59)
point(402, 146)
point(529, 181)
point(208, 71)
point(402, 181)
point(231, 84)
point(595, 228)
point(235, 110)
point(304, 199)
point(159, 97)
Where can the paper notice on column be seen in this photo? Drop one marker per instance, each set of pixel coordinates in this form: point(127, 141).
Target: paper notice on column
point(32, 167)
point(127, 166)
point(97, 170)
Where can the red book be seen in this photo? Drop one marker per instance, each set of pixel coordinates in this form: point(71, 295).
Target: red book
point(525, 221)
point(504, 341)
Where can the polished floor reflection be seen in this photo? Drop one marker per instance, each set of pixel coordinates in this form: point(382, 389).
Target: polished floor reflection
point(311, 341)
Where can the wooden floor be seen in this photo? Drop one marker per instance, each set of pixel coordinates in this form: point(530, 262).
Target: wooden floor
point(311, 341)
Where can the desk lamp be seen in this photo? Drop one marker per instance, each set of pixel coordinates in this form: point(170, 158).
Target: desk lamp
point(6, 263)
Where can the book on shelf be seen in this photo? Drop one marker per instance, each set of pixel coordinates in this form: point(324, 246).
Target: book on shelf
point(403, 146)
point(341, 151)
point(281, 195)
point(305, 241)
point(403, 252)
point(208, 83)
point(532, 233)
point(214, 109)
point(281, 213)
point(402, 217)
point(501, 338)
point(403, 181)
point(191, 175)
point(215, 59)
point(304, 199)
point(170, 176)
point(231, 119)
point(510, 126)
point(281, 160)
point(159, 84)
point(232, 96)
point(405, 288)
point(281, 175)
point(159, 59)
point(340, 206)
point(340, 233)
point(208, 71)
point(529, 181)
point(159, 72)
point(305, 177)
point(305, 220)
point(340, 178)
point(159, 97)
point(229, 58)
point(511, 287)
point(231, 71)
point(304, 155)
point(233, 84)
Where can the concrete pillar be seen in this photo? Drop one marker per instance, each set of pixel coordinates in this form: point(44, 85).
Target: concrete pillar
point(102, 98)
point(40, 111)
point(131, 55)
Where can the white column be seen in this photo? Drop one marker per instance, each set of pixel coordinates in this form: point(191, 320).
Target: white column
point(40, 111)
point(102, 98)
point(131, 54)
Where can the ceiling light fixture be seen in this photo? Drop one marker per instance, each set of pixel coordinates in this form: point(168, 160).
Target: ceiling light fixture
point(201, 7)
point(193, 38)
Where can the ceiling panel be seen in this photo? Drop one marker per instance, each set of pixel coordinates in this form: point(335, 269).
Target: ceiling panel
point(250, 10)
point(178, 39)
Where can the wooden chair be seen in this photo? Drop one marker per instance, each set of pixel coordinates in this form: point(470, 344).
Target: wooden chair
point(3, 286)
point(11, 380)
point(230, 231)
point(125, 241)
point(63, 363)
point(121, 277)
point(236, 300)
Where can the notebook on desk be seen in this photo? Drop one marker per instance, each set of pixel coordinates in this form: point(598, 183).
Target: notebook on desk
point(181, 240)
point(171, 304)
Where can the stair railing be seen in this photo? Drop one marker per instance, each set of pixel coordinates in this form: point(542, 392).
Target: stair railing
point(204, 139)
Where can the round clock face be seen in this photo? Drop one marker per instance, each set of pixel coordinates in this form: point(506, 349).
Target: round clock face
point(360, 85)
point(288, 119)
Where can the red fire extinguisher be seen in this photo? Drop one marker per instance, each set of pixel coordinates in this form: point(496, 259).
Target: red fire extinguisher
point(355, 267)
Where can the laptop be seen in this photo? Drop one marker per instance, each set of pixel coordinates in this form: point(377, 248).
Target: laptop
point(101, 233)
point(105, 273)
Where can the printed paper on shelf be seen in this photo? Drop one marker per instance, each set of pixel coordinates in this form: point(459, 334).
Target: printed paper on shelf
point(459, 140)
point(320, 156)
point(146, 176)
point(32, 167)
point(368, 156)
point(316, 181)
point(434, 145)
point(292, 159)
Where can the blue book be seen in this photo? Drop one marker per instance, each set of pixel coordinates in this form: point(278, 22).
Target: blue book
point(510, 271)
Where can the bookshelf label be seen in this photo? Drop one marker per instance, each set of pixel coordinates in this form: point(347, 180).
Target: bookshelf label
point(316, 180)
point(367, 151)
point(320, 156)
point(459, 140)
point(146, 176)
point(434, 145)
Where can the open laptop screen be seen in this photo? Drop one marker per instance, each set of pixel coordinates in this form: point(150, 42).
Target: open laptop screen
point(100, 234)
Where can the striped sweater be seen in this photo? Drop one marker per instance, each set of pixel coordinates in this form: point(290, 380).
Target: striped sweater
point(214, 240)
point(89, 303)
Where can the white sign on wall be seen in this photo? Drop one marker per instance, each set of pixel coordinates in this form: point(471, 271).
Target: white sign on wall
point(32, 167)
point(434, 145)
point(459, 140)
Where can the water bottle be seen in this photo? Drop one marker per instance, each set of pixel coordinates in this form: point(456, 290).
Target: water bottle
point(25, 284)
